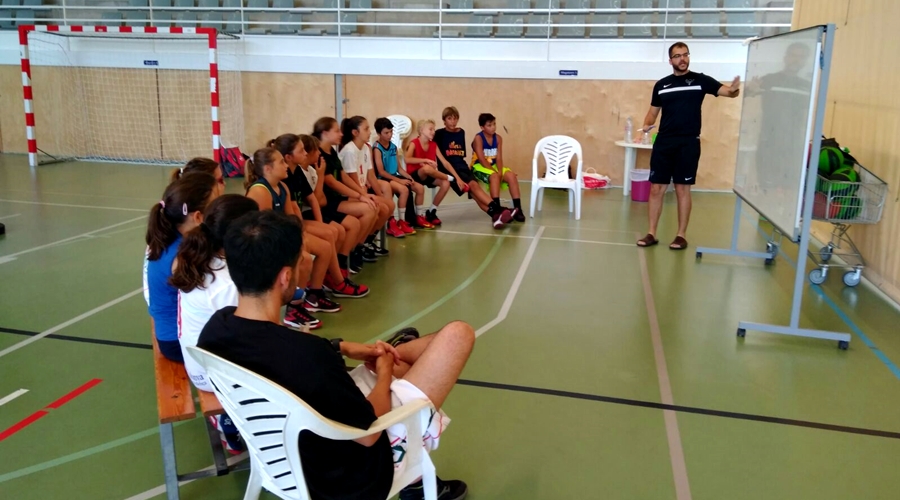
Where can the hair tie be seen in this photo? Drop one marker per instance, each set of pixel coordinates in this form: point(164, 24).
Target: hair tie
point(162, 203)
point(184, 209)
point(181, 171)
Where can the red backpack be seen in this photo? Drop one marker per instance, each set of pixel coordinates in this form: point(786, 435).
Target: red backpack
point(232, 161)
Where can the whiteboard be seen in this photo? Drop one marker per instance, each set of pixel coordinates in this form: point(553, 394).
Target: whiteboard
point(777, 117)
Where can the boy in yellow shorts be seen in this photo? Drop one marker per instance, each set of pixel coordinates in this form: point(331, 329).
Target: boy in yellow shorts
point(487, 164)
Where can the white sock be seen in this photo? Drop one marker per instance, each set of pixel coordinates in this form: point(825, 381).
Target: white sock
point(450, 178)
point(420, 210)
point(433, 207)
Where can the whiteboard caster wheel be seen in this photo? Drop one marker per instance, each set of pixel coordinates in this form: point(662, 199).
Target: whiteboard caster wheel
point(741, 332)
point(825, 253)
point(817, 276)
point(843, 345)
point(699, 255)
point(770, 261)
point(851, 278)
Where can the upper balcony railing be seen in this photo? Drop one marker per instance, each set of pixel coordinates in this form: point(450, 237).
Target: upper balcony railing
point(505, 19)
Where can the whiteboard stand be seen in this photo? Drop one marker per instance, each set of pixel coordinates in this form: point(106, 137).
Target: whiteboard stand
point(803, 234)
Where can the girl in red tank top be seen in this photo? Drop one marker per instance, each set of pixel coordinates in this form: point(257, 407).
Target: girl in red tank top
point(422, 156)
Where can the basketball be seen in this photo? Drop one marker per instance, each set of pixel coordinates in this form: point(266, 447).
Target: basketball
point(850, 208)
point(843, 181)
point(830, 159)
point(822, 209)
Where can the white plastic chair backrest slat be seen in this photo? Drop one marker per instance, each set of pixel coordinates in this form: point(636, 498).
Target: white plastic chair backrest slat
point(558, 151)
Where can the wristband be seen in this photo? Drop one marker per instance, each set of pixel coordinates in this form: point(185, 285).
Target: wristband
point(336, 345)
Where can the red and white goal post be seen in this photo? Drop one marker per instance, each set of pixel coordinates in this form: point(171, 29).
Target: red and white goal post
point(127, 93)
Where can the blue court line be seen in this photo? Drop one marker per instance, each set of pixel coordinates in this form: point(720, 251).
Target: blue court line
point(841, 314)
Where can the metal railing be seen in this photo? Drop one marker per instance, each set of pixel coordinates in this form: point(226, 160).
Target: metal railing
point(597, 19)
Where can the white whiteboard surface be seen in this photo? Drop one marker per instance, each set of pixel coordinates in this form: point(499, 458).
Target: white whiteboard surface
point(777, 118)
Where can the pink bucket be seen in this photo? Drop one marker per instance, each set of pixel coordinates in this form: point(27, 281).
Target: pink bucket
point(640, 185)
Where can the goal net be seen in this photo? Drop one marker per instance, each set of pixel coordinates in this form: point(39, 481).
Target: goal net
point(146, 95)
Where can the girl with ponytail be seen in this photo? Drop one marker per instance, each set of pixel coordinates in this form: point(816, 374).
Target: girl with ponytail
point(340, 199)
point(179, 211)
point(266, 174)
point(201, 276)
point(314, 229)
point(200, 164)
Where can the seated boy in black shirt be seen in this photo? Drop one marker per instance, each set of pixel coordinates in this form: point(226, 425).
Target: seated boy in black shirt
point(262, 249)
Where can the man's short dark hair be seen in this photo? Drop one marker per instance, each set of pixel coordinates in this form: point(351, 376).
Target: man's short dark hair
point(258, 245)
point(485, 118)
point(381, 124)
point(675, 46)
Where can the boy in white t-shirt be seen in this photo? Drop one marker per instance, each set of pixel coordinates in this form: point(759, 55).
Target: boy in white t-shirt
point(356, 158)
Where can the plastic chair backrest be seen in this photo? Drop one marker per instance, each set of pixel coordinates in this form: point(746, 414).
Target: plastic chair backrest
point(402, 130)
point(270, 419)
point(558, 151)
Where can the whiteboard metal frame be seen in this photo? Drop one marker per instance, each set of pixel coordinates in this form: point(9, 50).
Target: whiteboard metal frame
point(805, 216)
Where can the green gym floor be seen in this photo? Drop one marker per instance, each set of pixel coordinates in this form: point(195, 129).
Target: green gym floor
point(601, 371)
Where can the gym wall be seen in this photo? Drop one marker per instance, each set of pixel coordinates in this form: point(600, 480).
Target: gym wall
point(863, 114)
point(592, 111)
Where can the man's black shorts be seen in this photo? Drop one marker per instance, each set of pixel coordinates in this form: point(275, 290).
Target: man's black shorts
point(675, 160)
point(465, 175)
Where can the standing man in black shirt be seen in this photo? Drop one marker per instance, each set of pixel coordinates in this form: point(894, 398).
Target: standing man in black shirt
point(262, 249)
point(676, 152)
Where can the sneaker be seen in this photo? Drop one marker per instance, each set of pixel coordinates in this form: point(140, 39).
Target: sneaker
point(232, 442)
point(501, 218)
point(356, 262)
point(318, 302)
point(393, 229)
point(368, 254)
point(403, 336)
point(446, 490)
point(349, 290)
point(297, 299)
point(518, 215)
point(380, 251)
point(431, 216)
point(298, 317)
point(422, 223)
point(406, 227)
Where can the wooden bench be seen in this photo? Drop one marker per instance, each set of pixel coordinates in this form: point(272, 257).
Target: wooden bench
point(175, 402)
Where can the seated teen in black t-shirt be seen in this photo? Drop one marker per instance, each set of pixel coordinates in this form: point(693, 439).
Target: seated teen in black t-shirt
point(451, 141)
point(262, 249)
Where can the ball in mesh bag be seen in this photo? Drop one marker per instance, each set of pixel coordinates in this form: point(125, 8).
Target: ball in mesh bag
point(830, 159)
point(843, 181)
point(850, 208)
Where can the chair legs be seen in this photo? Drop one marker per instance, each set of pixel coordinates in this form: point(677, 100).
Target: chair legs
point(534, 195)
point(254, 485)
point(571, 200)
point(429, 480)
point(578, 203)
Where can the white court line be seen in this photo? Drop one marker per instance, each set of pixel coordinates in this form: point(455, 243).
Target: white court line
point(11, 257)
point(676, 452)
point(145, 210)
point(592, 229)
point(12, 396)
point(514, 288)
point(492, 235)
point(9, 216)
point(528, 237)
point(613, 243)
point(161, 489)
point(72, 321)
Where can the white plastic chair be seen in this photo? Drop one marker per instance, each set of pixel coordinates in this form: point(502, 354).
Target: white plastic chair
point(275, 462)
point(558, 151)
